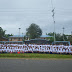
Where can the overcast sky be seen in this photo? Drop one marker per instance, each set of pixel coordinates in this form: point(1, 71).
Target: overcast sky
point(21, 13)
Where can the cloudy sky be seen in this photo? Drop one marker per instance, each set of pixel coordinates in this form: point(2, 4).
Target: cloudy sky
point(21, 13)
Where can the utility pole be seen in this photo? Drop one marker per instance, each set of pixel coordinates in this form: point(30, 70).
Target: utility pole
point(53, 11)
point(63, 32)
point(54, 22)
point(71, 33)
point(22, 36)
point(19, 31)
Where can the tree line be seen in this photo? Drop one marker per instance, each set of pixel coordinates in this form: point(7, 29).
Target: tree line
point(34, 31)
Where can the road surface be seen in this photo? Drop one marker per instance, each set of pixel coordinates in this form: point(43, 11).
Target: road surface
point(27, 65)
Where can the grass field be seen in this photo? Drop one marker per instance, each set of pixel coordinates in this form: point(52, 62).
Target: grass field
point(36, 55)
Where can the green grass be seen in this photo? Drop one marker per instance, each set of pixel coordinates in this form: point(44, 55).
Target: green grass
point(33, 55)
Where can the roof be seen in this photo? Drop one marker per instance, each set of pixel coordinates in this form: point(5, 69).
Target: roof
point(17, 36)
point(46, 36)
point(37, 39)
point(24, 35)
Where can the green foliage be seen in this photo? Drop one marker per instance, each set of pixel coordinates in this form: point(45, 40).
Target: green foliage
point(36, 55)
point(51, 34)
point(24, 37)
point(34, 31)
point(70, 39)
point(51, 39)
point(2, 33)
point(58, 36)
point(7, 35)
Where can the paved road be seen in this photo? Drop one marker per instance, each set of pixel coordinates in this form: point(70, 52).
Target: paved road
point(22, 65)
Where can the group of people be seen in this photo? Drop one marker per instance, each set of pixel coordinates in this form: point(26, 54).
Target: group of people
point(34, 48)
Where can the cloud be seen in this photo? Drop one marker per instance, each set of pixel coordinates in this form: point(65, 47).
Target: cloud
point(21, 13)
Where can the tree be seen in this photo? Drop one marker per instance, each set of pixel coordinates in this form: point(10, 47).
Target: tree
point(58, 36)
point(34, 31)
point(7, 35)
point(70, 39)
point(2, 33)
point(51, 34)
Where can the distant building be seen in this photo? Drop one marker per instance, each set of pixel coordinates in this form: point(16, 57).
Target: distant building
point(21, 37)
point(3, 39)
point(47, 37)
point(37, 41)
point(16, 38)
